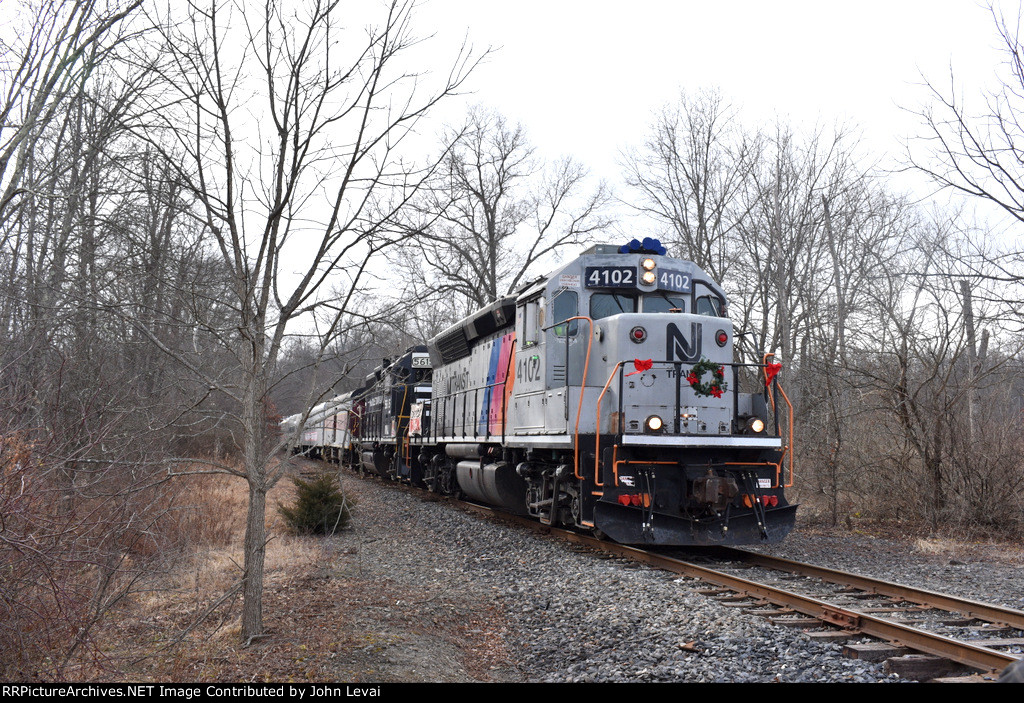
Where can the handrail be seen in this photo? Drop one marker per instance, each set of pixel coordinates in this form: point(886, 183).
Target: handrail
point(399, 417)
point(617, 370)
point(583, 382)
point(583, 388)
point(597, 427)
point(454, 395)
point(790, 447)
point(733, 366)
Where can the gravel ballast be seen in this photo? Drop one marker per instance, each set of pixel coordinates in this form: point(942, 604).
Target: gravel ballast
point(540, 610)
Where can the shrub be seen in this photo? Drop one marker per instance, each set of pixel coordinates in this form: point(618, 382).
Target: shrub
point(321, 508)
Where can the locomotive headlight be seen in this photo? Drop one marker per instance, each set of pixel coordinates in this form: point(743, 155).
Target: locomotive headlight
point(648, 264)
point(654, 423)
point(755, 425)
point(648, 278)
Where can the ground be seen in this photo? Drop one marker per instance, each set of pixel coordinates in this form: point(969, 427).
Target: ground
point(327, 619)
point(332, 615)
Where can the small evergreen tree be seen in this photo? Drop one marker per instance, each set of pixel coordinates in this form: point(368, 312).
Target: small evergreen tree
point(321, 507)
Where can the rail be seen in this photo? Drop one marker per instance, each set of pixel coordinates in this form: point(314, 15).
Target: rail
point(969, 653)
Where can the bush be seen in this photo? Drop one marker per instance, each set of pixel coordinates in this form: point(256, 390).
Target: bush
point(321, 508)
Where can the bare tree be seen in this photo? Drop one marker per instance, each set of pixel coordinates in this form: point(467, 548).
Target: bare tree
point(41, 67)
point(692, 175)
point(978, 151)
point(286, 130)
point(975, 148)
point(494, 210)
point(784, 242)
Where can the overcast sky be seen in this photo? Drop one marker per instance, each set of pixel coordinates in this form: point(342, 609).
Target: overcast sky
point(585, 77)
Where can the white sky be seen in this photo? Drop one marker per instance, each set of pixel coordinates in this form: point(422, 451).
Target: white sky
point(585, 77)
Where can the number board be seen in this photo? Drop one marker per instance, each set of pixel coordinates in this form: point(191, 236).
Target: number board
point(611, 276)
point(674, 280)
point(421, 362)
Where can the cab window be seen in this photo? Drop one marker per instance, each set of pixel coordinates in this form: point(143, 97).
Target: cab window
point(607, 304)
point(708, 305)
point(663, 302)
point(564, 306)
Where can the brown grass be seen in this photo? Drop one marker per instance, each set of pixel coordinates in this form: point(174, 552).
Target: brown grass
point(76, 546)
point(322, 624)
point(185, 615)
point(935, 545)
point(213, 514)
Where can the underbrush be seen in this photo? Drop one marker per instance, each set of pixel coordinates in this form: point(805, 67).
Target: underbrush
point(812, 515)
point(187, 626)
point(93, 576)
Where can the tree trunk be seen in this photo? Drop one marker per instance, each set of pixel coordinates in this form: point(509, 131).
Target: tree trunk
point(255, 555)
point(255, 524)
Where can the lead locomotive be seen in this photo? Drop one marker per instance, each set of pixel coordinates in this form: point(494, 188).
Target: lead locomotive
point(603, 396)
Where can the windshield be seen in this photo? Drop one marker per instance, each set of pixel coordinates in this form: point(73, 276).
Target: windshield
point(660, 301)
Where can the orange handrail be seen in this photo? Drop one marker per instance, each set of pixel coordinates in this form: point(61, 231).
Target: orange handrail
point(789, 448)
point(771, 396)
point(597, 428)
point(583, 388)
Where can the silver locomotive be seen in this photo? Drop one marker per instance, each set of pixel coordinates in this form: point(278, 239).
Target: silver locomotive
point(604, 397)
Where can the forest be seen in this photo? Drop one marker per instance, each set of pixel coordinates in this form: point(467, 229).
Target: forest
point(217, 214)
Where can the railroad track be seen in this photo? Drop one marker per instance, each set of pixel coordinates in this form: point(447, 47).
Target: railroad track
point(978, 636)
point(832, 604)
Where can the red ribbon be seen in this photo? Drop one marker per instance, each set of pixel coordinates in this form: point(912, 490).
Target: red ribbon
point(770, 372)
point(641, 366)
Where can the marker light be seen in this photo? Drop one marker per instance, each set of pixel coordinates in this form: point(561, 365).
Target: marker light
point(647, 246)
point(721, 338)
point(638, 334)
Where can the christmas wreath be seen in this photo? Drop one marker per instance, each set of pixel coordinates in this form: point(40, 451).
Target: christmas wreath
point(716, 386)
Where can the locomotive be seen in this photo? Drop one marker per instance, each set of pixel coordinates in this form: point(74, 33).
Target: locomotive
point(602, 397)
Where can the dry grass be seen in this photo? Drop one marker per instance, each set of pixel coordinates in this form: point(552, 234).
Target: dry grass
point(214, 514)
point(936, 546)
point(75, 554)
point(322, 624)
point(185, 616)
point(961, 550)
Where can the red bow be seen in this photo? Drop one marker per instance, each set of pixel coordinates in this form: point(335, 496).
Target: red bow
point(770, 372)
point(641, 366)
